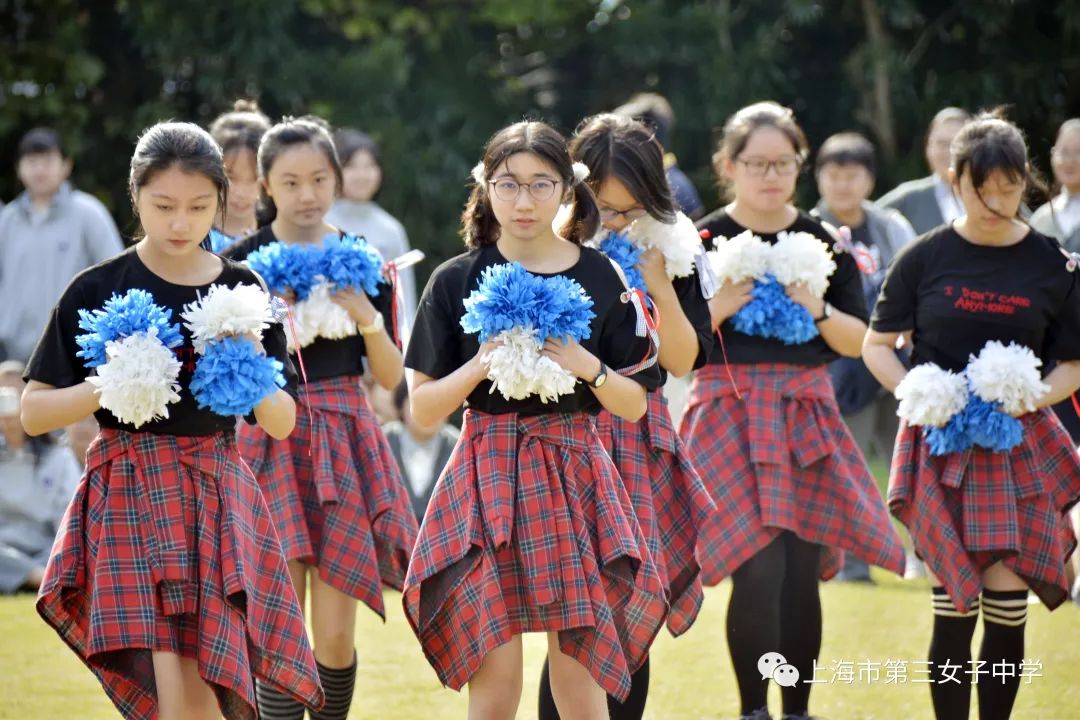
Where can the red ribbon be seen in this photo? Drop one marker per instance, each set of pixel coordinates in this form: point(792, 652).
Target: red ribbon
point(303, 376)
point(863, 259)
point(391, 272)
point(652, 329)
point(727, 367)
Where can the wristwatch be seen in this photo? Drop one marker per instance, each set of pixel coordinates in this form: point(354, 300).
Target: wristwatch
point(826, 313)
point(601, 377)
point(376, 326)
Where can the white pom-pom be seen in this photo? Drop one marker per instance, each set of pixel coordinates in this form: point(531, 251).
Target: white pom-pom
point(581, 172)
point(679, 242)
point(743, 257)
point(799, 257)
point(318, 316)
point(241, 310)
point(478, 173)
point(1009, 375)
point(517, 370)
point(930, 395)
point(139, 379)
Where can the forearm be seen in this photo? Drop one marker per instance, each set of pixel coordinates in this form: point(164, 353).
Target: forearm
point(432, 401)
point(384, 359)
point(46, 408)
point(1063, 381)
point(622, 396)
point(843, 333)
point(276, 414)
point(678, 341)
point(883, 363)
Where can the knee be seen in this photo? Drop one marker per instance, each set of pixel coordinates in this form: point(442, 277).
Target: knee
point(334, 647)
point(497, 697)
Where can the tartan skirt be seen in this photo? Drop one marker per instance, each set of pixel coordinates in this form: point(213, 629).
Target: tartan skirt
point(335, 491)
point(780, 458)
point(167, 546)
point(966, 511)
point(529, 530)
point(668, 497)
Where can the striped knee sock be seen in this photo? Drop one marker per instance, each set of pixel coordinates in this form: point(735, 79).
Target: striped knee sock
point(274, 705)
point(950, 656)
point(1004, 619)
point(338, 684)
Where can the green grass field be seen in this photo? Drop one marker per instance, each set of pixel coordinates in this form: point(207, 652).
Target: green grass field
point(41, 679)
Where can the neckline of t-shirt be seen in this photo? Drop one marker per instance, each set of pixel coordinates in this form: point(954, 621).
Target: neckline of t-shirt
point(502, 258)
point(992, 248)
point(144, 266)
point(274, 238)
point(736, 223)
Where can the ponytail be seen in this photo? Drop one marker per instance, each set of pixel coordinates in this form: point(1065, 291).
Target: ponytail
point(584, 221)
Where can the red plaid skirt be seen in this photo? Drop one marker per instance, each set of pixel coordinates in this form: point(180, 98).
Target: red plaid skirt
point(966, 511)
point(529, 530)
point(335, 492)
point(780, 459)
point(167, 546)
point(669, 499)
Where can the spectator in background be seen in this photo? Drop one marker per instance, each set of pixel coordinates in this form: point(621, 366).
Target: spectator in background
point(655, 111)
point(47, 235)
point(37, 480)
point(421, 452)
point(929, 201)
point(355, 211)
point(845, 171)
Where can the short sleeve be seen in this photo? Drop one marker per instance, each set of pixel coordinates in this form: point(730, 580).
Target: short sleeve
point(53, 361)
point(434, 345)
point(696, 308)
point(1063, 335)
point(845, 291)
point(621, 348)
point(384, 303)
point(895, 308)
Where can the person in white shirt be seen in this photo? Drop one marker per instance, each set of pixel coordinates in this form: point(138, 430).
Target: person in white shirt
point(1060, 218)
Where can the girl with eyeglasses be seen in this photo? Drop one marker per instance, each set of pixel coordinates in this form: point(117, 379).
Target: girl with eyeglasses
point(626, 171)
point(990, 522)
point(792, 490)
point(528, 528)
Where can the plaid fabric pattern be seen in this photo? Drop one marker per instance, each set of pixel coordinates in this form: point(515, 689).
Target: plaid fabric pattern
point(781, 458)
point(530, 530)
point(167, 546)
point(669, 498)
point(335, 491)
point(966, 511)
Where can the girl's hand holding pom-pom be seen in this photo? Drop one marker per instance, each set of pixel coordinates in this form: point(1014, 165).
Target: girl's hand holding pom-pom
point(800, 294)
point(729, 299)
point(357, 304)
point(653, 270)
point(572, 357)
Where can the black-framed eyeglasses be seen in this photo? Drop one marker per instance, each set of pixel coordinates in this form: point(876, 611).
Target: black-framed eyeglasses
point(609, 214)
point(507, 189)
point(759, 166)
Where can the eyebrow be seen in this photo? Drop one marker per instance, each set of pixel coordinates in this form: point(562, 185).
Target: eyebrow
point(163, 196)
point(322, 171)
point(513, 176)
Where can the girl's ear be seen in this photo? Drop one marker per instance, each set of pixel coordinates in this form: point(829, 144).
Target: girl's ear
point(266, 188)
point(954, 180)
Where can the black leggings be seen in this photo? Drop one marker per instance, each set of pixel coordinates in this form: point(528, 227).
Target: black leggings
point(775, 607)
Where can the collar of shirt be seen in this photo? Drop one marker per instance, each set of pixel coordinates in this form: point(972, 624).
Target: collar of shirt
point(58, 200)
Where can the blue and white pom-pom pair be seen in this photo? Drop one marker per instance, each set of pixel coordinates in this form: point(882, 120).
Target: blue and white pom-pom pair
point(978, 407)
point(130, 341)
point(796, 257)
point(679, 243)
point(313, 273)
point(521, 311)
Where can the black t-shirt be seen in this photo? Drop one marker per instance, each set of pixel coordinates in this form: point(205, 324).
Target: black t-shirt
point(323, 358)
point(438, 345)
point(54, 361)
point(955, 296)
point(845, 293)
point(696, 308)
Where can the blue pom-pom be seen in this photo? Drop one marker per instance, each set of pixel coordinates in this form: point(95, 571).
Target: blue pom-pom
point(121, 317)
point(232, 377)
point(286, 267)
point(219, 240)
point(626, 255)
point(510, 296)
point(351, 262)
point(950, 438)
point(991, 428)
point(772, 314)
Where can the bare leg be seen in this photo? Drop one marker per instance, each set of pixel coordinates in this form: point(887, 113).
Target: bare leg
point(182, 693)
point(495, 689)
point(577, 694)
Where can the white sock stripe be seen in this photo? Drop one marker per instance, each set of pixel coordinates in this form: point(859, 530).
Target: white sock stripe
point(1003, 621)
point(954, 613)
point(992, 602)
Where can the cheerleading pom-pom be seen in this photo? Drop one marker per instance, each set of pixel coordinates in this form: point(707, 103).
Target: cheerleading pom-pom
point(138, 381)
point(232, 377)
point(930, 395)
point(1009, 375)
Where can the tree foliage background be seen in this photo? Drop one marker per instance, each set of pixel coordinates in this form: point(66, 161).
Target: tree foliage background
point(431, 80)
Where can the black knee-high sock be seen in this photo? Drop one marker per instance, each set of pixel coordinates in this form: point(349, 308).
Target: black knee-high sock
point(753, 621)
point(1004, 619)
point(800, 619)
point(274, 705)
point(950, 657)
point(632, 709)
point(338, 684)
